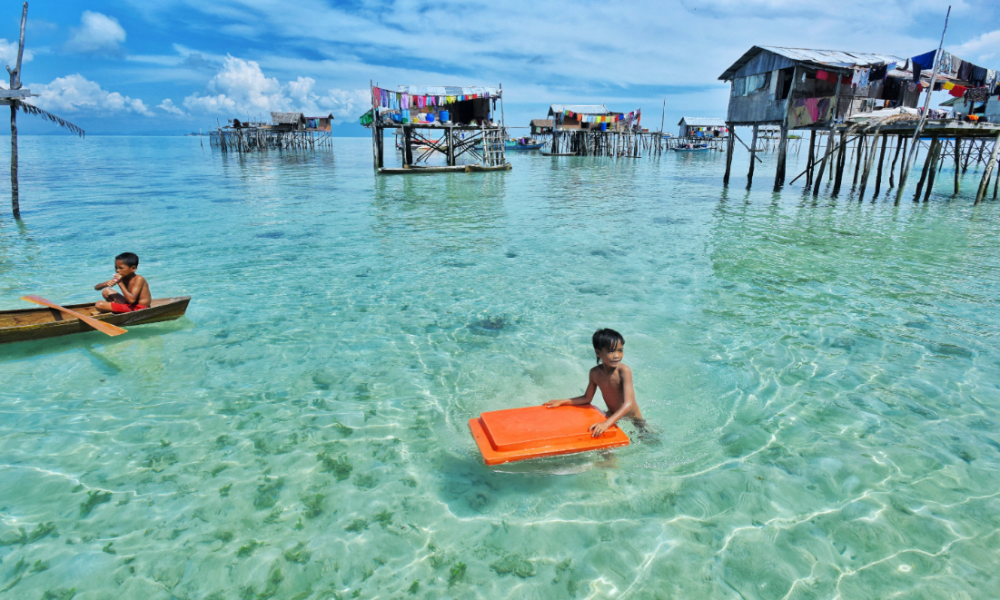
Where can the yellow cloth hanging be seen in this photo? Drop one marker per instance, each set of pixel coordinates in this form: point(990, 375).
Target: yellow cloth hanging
point(949, 85)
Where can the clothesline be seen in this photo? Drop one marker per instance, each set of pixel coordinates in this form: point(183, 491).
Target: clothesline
point(403, 100)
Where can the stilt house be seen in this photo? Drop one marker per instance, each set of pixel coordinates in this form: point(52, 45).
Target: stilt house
point(435, 120)
point(707, 127)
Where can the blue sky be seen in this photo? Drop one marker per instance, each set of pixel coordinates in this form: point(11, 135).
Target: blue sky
point(173, 66)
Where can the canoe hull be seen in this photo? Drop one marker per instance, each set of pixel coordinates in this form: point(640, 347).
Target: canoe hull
point(40, 324)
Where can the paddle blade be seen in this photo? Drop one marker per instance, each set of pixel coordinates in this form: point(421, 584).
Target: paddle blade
point(106, 328)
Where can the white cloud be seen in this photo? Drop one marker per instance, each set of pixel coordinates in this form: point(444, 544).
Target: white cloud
point(982, 48)
point(97, 34)
point(241, 87)
point(75, 93)
point(169, 106)
point(8, 53)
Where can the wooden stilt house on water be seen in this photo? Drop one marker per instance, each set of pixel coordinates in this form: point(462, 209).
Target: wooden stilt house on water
point(439, 121)
point(796, 88)
point(864, 99)
point(593, 130)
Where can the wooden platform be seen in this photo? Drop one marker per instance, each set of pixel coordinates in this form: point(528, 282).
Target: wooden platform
point(443, 169)
point(535, 431)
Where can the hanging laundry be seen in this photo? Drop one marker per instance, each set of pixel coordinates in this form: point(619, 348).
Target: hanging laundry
point(822, 75)
point(925, 60)
point(958, 91)
point(856, 77)
point(948, 85)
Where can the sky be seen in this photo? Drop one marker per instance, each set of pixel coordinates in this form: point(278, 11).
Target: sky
point(163, 67)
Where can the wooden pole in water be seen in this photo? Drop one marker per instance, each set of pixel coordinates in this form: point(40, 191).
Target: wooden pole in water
point(881, 159)
point(811, 158)
point(841, 158)
point(753, 156)
point(15, 84)
point(923, 115)
point(868, 166)
point(985, 183)
point(927, 165)
point(730, 143)
point(933, 172)
point(892, 168)
point(860, 146)
point(779, 175)
point(829, 140)
point(958, 164)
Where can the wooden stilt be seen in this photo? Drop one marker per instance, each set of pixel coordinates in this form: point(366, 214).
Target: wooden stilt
point(933, 172)
point(730, 142)
point(861, 145)
point(841, 158)
point(811, 159)
point(15, 202)
point(407, 148)
point(881, 159)
point(968, 154)
point(779, 174)
point(958, 165)
point(984, 184)
point(895, 157)
point(753, 156)
point(868, 166)
point(928, 160)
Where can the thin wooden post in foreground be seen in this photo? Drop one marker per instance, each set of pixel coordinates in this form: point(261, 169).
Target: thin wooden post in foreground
point(811, 159)
point(923, 115)
point(985, 183)
point(841, 161)
point(753, 156)
point(892, 167)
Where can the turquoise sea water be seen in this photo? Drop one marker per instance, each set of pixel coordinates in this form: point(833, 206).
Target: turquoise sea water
point(823, 374)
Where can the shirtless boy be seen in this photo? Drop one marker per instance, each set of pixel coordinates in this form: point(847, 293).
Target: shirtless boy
point(134, 289)
point(614, 379)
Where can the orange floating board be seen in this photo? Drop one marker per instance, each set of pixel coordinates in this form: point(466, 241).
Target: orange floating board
point(535, 431)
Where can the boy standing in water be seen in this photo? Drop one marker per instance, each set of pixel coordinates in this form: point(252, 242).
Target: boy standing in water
point(614, 379)
point(134, 294)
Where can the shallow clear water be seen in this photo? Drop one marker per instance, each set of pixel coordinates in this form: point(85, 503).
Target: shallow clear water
point(823, 375)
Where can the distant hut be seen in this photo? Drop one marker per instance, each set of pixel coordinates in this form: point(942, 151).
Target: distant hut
point(320, 123)
point(593, 130)
point(288, 121)
point(542, 126)
point(705, 126)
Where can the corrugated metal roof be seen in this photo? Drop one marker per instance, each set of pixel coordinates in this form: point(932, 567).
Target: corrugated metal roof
point(583, 109)
point(833, 59)
point(702, 122)
point(447, 90)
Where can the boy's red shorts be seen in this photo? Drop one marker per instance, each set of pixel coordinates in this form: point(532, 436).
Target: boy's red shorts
point(117, 307)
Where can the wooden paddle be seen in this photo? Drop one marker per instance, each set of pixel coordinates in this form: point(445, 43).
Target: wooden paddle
point(101, 326)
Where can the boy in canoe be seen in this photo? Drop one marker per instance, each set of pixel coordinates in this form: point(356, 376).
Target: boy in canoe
point(614, 379)
point(134, 294)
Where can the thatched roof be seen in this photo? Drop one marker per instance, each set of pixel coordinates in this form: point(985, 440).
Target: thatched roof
point(549, 123)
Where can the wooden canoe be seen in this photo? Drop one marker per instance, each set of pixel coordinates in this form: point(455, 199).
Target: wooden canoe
point(42, 323)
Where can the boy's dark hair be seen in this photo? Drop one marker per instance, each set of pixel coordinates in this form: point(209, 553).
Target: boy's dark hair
point(607, 339)
point(129, 258)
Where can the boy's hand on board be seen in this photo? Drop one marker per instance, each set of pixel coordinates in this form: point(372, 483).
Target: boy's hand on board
point(598, 429)
point(553, 403)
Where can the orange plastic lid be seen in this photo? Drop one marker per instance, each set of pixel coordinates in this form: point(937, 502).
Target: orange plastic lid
point(535, 431)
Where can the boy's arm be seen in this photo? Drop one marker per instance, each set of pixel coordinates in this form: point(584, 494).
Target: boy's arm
point(109, 283)
point(628, 405)
point(133, 289)
point(586, 398)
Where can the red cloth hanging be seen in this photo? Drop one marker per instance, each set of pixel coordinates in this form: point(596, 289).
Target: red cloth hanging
point(822, 75)
point(958, 91)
